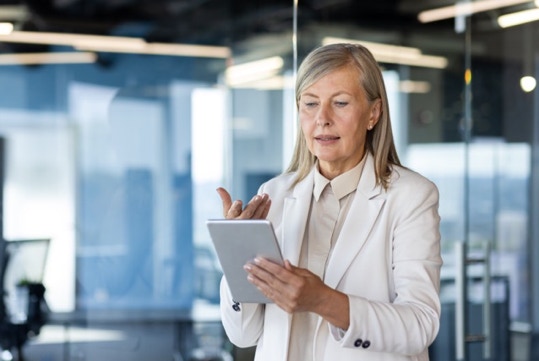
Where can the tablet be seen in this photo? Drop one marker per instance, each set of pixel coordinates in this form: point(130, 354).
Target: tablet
point(238, 242)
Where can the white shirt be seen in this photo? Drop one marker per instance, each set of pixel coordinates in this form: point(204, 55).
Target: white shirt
point(329, 206)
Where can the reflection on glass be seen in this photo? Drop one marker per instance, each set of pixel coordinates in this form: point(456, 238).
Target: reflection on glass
point(498, 176)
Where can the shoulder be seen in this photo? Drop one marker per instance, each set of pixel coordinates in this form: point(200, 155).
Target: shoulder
point(278, 183)
point(406, 180)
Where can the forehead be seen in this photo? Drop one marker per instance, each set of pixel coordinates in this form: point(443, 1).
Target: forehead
point(346, 78)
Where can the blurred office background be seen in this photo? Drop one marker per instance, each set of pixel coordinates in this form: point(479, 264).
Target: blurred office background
point(119, 118)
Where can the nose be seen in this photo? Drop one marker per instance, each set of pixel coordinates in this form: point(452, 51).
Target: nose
point(323, 116)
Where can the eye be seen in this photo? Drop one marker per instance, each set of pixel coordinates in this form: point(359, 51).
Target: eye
point(341, 103)
point(309, 104)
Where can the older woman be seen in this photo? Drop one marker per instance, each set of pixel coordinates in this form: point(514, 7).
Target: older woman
point(360, 232)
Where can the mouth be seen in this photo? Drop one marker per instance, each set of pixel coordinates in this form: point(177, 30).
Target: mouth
point(325, 138)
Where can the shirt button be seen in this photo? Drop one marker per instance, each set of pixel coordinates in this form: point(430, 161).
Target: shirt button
point(358, 342)
point(366, 344)
point(236, 307)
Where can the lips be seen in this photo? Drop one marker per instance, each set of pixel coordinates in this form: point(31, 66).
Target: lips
point(326, 137)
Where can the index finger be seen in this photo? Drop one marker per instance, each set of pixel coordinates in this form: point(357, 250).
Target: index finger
point(278, 271)
point(225, 198)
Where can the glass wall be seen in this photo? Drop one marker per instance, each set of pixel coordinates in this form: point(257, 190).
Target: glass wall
point(116, 162)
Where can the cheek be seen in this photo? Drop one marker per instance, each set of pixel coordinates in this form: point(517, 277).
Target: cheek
point(305, 125)
point(306, 130)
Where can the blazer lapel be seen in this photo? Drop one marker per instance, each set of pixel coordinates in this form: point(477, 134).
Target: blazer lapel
point(296, 211)
point(359, 222)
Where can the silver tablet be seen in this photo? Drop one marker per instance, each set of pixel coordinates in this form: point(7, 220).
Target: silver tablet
point(238, 242)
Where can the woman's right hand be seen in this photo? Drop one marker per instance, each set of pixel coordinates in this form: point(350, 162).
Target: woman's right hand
point(257, 208)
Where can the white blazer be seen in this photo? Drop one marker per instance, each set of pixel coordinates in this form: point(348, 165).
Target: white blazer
point(386, 259)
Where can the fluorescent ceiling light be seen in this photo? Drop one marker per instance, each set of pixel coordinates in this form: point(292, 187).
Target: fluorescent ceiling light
point(253, 71)
point(465, 9)
point(188, 50)
point(47, 58)
point(379, 48)
point(518, 18)
point(395, 54)
point(6, 28)
point(114, 44)
point(414, 86)
point(66, 39)
point(13, 12)
point(203, 51)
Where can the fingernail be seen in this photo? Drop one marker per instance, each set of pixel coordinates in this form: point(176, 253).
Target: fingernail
point(247, 267)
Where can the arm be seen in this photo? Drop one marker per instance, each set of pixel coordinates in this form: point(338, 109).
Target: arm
point(408, 322)
point(243, 323)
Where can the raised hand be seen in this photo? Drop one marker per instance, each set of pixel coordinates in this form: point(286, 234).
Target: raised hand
point(257, 208)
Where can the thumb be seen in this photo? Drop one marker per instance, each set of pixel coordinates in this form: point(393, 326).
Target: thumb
point(288, 265)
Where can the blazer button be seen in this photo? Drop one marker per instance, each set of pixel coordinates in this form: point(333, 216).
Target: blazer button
point(366, 344)
point(358, 342)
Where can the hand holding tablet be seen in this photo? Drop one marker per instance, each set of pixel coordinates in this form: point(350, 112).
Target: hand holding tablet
point(238, 242)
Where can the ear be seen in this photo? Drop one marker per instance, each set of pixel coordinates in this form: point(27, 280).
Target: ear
point(376, 113)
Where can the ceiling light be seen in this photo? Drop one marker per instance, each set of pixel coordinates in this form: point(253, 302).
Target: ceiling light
point(114, 44)
point(379, 48)
point(13, 12)
point(395, 54)
point(414, 86)
point(253, 71)
point(46, 38)
point(528, 83)
point(6, 28)
point(47, 58)
point(203, 51)
point(518, 18)
point(424, 61)
point(465, 9)
point(188, 50)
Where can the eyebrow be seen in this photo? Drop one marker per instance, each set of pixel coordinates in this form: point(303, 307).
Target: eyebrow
point(340, 92)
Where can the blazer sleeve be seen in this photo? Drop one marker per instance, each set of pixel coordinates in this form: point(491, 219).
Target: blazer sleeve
point(409, 322)
point(243, 322)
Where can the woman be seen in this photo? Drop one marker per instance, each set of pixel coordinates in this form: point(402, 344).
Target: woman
point(359, 231)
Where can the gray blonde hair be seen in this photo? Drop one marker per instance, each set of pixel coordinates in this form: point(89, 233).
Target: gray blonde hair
point(324, 60)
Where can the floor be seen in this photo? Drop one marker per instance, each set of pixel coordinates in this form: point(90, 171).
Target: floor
point(167, 341)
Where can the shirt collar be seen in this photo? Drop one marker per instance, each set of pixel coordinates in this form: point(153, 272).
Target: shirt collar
point(341, 185)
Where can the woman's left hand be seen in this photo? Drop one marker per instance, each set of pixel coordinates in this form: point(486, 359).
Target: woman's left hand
point(297, 289)
point(292, 288)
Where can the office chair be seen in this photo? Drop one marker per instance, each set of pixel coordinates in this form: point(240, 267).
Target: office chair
point(15, 333)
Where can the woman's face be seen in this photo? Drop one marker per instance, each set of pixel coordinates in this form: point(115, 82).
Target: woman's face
point(335, 116)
